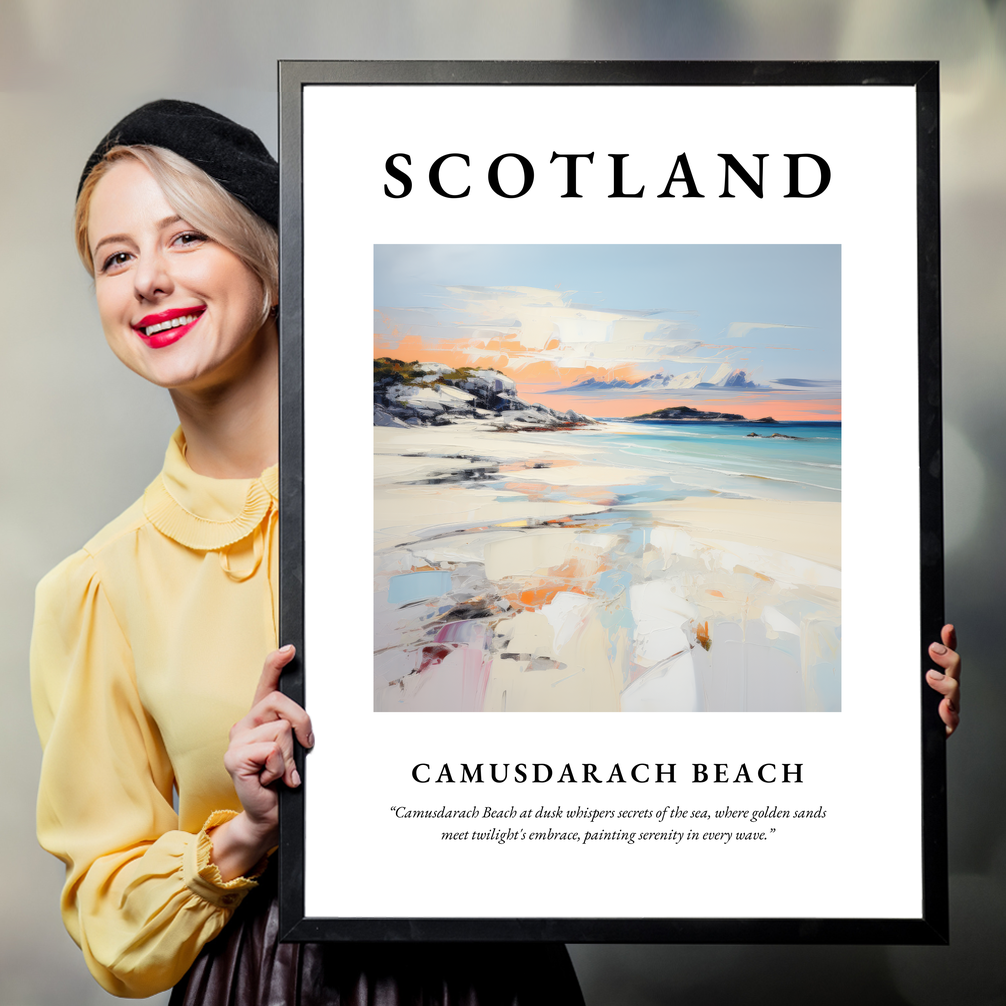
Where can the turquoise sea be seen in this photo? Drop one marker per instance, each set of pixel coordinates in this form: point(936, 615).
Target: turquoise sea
point(785, 461)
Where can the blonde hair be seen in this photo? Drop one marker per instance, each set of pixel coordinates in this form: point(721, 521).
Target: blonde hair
point(199, 200)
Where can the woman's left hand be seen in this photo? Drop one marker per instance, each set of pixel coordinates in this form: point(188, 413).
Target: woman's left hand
point(260, 754)
point(948, 681)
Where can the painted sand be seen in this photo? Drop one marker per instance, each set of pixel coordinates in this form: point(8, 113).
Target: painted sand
point(622, 567)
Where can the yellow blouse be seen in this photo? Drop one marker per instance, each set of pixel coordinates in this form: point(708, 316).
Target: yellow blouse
point(147, 647)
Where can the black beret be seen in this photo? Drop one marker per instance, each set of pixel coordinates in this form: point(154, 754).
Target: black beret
point(231, 154)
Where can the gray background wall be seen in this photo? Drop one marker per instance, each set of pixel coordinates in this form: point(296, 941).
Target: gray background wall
point(82, 436)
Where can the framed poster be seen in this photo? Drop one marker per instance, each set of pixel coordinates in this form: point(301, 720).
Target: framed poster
point(612, 586)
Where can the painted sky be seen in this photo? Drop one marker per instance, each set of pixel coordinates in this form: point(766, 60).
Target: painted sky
point(752, 329)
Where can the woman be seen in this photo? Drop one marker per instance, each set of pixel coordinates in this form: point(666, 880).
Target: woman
point(148, 643)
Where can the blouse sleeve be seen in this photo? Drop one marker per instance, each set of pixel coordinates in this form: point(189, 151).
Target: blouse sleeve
point(141, 898)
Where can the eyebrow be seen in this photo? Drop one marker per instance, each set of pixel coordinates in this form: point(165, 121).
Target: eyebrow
point(111, 238)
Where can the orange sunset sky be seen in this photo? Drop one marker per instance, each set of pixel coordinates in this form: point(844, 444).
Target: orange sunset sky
point(539, 381)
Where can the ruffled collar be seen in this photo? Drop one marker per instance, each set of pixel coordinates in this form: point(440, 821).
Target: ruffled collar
point(203, 513)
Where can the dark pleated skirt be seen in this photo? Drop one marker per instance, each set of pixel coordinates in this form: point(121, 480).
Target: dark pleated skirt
point(246, 965)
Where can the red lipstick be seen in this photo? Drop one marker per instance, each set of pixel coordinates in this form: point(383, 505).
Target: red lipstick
point(166, 327)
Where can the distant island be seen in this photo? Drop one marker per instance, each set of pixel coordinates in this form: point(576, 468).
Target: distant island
point(683, 413)
point(724, 377)
point(435, 394)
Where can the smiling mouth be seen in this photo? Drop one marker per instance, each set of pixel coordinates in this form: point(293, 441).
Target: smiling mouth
point(185, 319)
point(167, 321)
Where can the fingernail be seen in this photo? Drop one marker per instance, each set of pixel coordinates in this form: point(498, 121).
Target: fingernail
point(310, 740)
point(287, 649)
point(295, 777)
point(938, 648)
point(936, 676)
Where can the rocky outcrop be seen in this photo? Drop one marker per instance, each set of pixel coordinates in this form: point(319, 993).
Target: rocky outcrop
point(434, 394)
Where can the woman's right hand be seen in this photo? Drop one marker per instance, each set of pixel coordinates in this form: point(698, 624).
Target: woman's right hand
point(260, 753)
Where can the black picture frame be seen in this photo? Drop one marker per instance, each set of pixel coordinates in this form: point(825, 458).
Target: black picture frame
point(932, 925)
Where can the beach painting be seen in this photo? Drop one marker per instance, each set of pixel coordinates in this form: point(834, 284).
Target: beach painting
point(607, 478)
